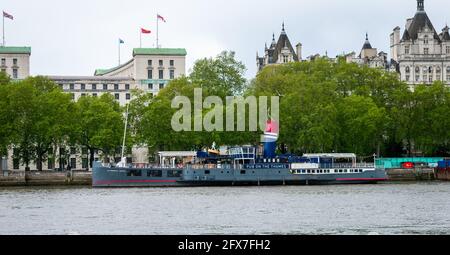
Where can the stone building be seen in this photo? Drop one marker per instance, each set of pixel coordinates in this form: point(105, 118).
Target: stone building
point(149, 70)
point(369, 56)
point(279, 52)
point(15, 61)
point(421, 54)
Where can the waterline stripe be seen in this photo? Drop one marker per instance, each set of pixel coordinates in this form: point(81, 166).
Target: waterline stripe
point(133, 181)
point(361, 179)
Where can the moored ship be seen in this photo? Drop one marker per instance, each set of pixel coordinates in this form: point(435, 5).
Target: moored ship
point(242, 165)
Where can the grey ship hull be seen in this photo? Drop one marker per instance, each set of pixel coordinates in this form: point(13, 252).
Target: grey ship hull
point(132, 177)
point(279, 177)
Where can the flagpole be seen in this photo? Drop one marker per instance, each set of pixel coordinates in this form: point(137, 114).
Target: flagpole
point(157, 32)
point(3, 30)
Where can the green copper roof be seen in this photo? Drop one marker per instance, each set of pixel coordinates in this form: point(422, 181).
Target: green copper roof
point(100, 72)
point(159, 51)
point(15, 50)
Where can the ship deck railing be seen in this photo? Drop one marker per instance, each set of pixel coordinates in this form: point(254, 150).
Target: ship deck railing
point(351, 165)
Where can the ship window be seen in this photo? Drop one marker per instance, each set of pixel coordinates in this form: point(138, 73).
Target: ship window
point(175, 173)
point(134, 173)
point(207, 172)
point(309, 171)
point(154, 173)
point(242, 171)
point(303, 171)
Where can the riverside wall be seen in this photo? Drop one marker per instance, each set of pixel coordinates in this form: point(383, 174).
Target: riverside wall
point(45, 178)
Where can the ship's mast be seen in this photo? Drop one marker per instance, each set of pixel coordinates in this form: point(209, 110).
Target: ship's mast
point(125, 133)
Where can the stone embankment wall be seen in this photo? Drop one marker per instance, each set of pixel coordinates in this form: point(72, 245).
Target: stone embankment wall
point(45, 178)
point(417, 174)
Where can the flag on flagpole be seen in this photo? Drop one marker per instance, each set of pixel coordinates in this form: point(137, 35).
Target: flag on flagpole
point(161, 18)
point(9, 16)
point(145, 31)
point(121, 41)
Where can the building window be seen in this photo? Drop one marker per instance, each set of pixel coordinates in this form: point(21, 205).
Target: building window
point(94, 95)
point(73, 163)
point(150, 62)
point(161, 63)
point(161, 86)
point(105, 86)
point(172, 63)
point(150, 74)
point(15, 74)
point(425, 39)
point(72, 86)
point(16, 164)
point(128, 96)
point(83, 86)
point(15, 62)
point(117, 96)
point(407, 70)
point(407, 77)
point(3, 62)
point(50, 164)
point(116, 87)
point(172, 74)
point(73, 96)
point(83, 94)
point(84, 163)
point(447, 50)
point(407, 49)
point(285, 59)
point(94, 86)
point(161, 74)
point(127, 86)
point(425, 51)
point(150, 86)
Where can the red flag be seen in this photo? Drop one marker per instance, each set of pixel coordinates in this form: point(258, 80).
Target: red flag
point(161, 18)
point(145, 31)
point(9, 16)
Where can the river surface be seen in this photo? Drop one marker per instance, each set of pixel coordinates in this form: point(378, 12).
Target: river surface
point(394, 209)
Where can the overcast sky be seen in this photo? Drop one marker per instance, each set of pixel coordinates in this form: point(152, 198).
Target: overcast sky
point(76, 37)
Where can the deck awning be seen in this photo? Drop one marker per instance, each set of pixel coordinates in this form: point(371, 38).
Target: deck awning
point(331, 155)
point(183, 154)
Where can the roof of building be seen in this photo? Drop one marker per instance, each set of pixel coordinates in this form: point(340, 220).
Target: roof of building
point(15, 50)
point(100, 72)
point(87, 78)
point(160, 51)
point(283, 42)
point(367, 43)
point(418, 24)
point(445, 34)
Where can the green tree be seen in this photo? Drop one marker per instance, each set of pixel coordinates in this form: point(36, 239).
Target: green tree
point(220, 76)
point(99, 125)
